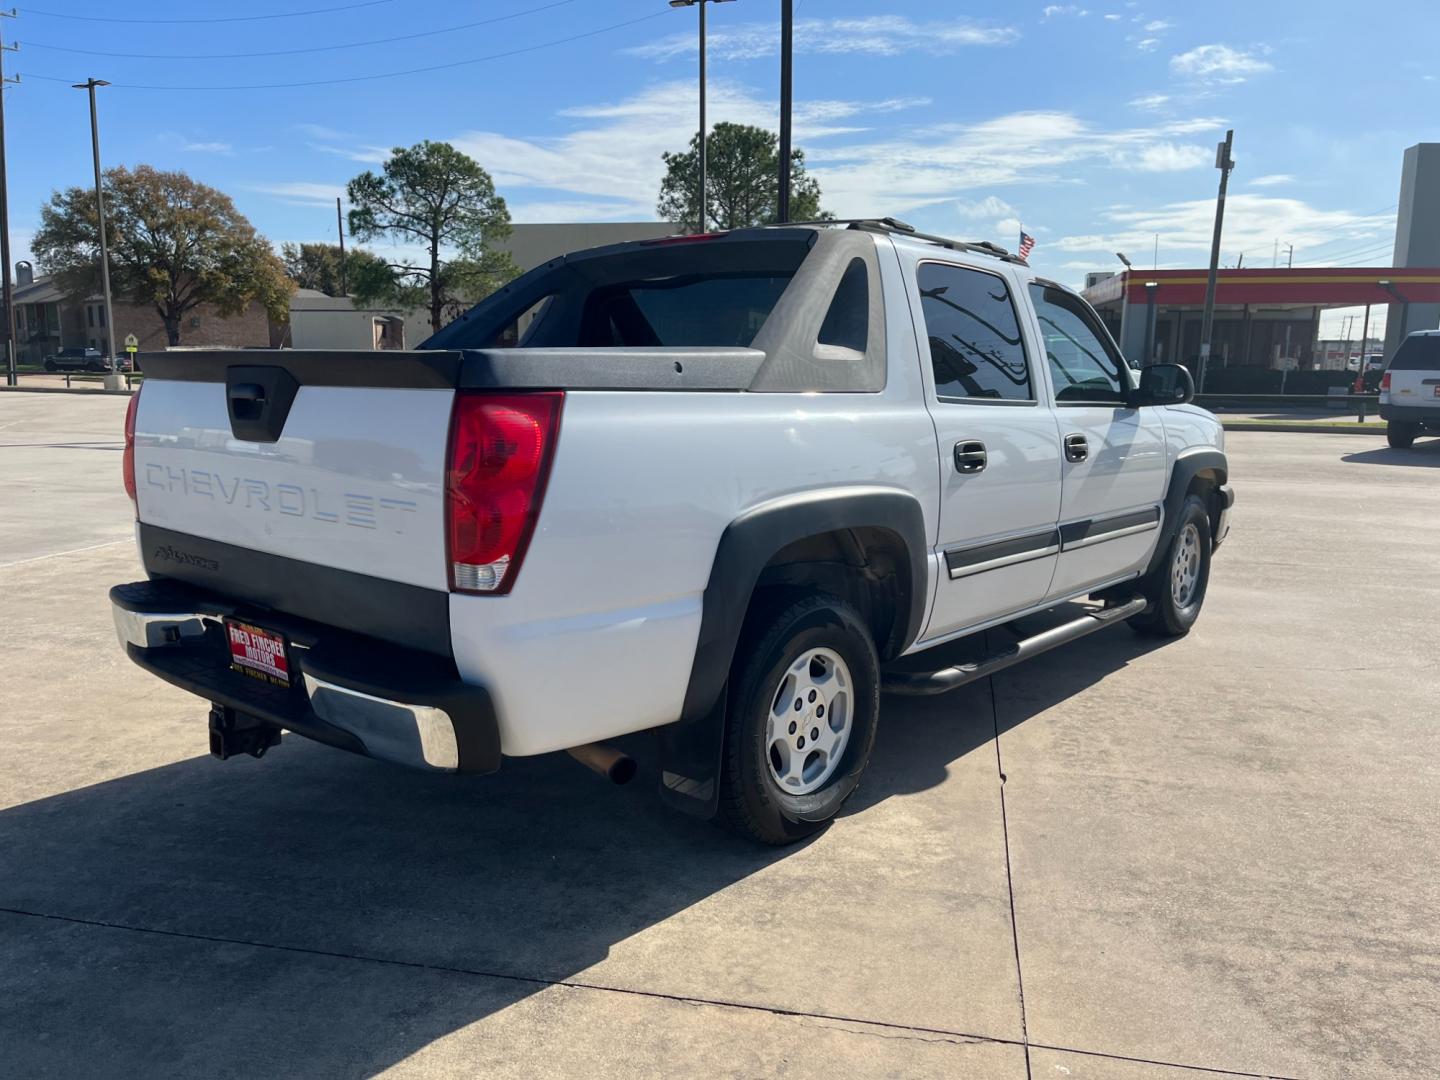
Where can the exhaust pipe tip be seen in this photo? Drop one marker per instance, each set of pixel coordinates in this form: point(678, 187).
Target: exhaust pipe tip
point(615, 765)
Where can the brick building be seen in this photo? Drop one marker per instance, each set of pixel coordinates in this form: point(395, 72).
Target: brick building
point(47, 320)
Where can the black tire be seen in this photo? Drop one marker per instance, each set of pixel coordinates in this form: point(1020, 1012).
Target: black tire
point(50, 365)
point(1167, 616)
point(1400, 434)
point(752, 802)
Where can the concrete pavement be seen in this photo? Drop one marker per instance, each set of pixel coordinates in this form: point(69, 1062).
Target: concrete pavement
point(1215, 853)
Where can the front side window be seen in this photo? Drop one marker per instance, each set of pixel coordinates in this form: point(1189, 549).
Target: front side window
point(975, 345)
point(1082, 366)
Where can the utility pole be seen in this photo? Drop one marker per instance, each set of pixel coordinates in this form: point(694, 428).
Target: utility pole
point(340, 228)
point(1275, 257)
point(1224, 162)
point(787, 35)
point(1155, 263)
point(1290, 260)
point(112, 374)
point(703, 215)
point(7, 291)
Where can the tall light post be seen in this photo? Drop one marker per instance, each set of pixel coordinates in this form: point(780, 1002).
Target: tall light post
point(112, 374)
point(787, 79)
point(12, 377)
point(704, 208)
point(1224, 162)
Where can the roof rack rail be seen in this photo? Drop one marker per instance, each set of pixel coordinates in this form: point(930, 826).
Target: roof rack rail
point(904, 228)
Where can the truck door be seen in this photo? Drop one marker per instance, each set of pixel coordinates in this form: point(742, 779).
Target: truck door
point(999, 455)
point(1114, 465)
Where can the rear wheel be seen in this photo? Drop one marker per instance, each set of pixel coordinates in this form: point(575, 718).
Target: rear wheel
point(50, 365)
point(804, 702)
point(1176, 588)
point(1401, 434)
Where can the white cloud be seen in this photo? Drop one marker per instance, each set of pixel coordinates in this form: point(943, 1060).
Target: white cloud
point(1158, 26)
point(320, 131)
point(370, 155)
point(988, 207)
point(1167, 157)
point(883, 35)
point(1147, 44)
point(895, 175)
point(1272, 180)
point(578, 210)
point(1252, 222)
point(1149, 101)
point(197, 146)
point(1053, 10)
point(1113, 18)
point(300, 192)
point(616, 159)
point(1219, 63)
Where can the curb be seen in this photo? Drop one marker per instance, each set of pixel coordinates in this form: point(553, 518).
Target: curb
point(100, 392)
point(1300, 429)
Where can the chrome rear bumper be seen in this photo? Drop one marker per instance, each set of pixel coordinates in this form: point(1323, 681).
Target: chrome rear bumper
point(372, 697)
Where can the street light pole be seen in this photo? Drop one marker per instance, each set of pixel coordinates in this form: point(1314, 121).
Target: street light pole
point(1224, 163)
point(787, 36)
point(112, 375)
point(703, 210)
point(7, 291)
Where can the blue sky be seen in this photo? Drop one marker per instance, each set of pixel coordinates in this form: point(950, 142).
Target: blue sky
point(1093, 124)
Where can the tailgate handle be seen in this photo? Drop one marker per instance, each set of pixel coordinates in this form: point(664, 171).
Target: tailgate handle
point(247, 401)
point(259, 400)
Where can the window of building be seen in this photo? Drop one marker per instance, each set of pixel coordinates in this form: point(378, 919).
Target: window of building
point(847, 323)
point(99, 314)
point(976, 348)
point(90, 315)
point(1083, 365)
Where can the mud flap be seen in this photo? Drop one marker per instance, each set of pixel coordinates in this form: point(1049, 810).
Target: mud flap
point(691, 754)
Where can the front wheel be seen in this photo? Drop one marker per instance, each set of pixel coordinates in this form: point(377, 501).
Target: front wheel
point(1176, 588)
point(804, 704)
point(1401, 435)
point(50, 365)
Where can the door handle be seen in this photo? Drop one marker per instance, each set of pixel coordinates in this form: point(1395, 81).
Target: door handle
point(971, 457)
point(1076, 448)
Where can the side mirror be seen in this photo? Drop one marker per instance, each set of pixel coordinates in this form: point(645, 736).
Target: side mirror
point(1165, 384)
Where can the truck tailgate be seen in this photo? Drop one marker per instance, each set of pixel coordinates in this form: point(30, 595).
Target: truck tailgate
point(354, 482)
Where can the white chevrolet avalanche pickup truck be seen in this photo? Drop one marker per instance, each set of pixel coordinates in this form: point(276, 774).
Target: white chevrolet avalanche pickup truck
point(712, 486)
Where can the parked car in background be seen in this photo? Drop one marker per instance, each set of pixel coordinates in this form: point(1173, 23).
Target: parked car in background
point(75, 359)
point(1410, 390)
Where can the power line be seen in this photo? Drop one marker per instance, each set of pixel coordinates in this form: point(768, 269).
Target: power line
point(313, 49)
point(377, 75)
point(228, 19)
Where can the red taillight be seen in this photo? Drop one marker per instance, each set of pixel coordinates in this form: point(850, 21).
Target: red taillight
point(128, 464)
point(500, 451)
point(1385, 382)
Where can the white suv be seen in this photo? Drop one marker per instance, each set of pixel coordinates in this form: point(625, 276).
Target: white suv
point(1410, 390)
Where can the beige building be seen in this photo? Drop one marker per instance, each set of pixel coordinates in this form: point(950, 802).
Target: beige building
point(318, 321)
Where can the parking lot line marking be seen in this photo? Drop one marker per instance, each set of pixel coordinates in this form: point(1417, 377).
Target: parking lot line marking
point(58, 554)
point(684, 999)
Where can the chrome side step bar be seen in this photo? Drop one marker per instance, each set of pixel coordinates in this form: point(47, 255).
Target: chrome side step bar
point(921, 683)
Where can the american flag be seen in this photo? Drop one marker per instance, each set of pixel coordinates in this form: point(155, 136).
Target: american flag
point(1027, 244)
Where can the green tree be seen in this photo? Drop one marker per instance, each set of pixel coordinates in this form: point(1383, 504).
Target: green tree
point(434, 196)
point(318, 266)
point(174, 244)
point(742, 181)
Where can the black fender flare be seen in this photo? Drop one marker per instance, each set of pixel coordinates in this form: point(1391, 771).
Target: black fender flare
point(1187, 466)
point(690, 749)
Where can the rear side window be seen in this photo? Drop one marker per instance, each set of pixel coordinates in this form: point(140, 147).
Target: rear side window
point(1418, 354)
point(975, 344)
point(711, 310)
point(847, 323)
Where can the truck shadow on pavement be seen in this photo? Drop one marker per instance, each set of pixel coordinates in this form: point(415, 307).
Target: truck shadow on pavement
point(1424, 454)
point(211, 919)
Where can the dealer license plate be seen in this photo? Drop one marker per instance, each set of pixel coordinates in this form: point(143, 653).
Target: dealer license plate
point(258, 652)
